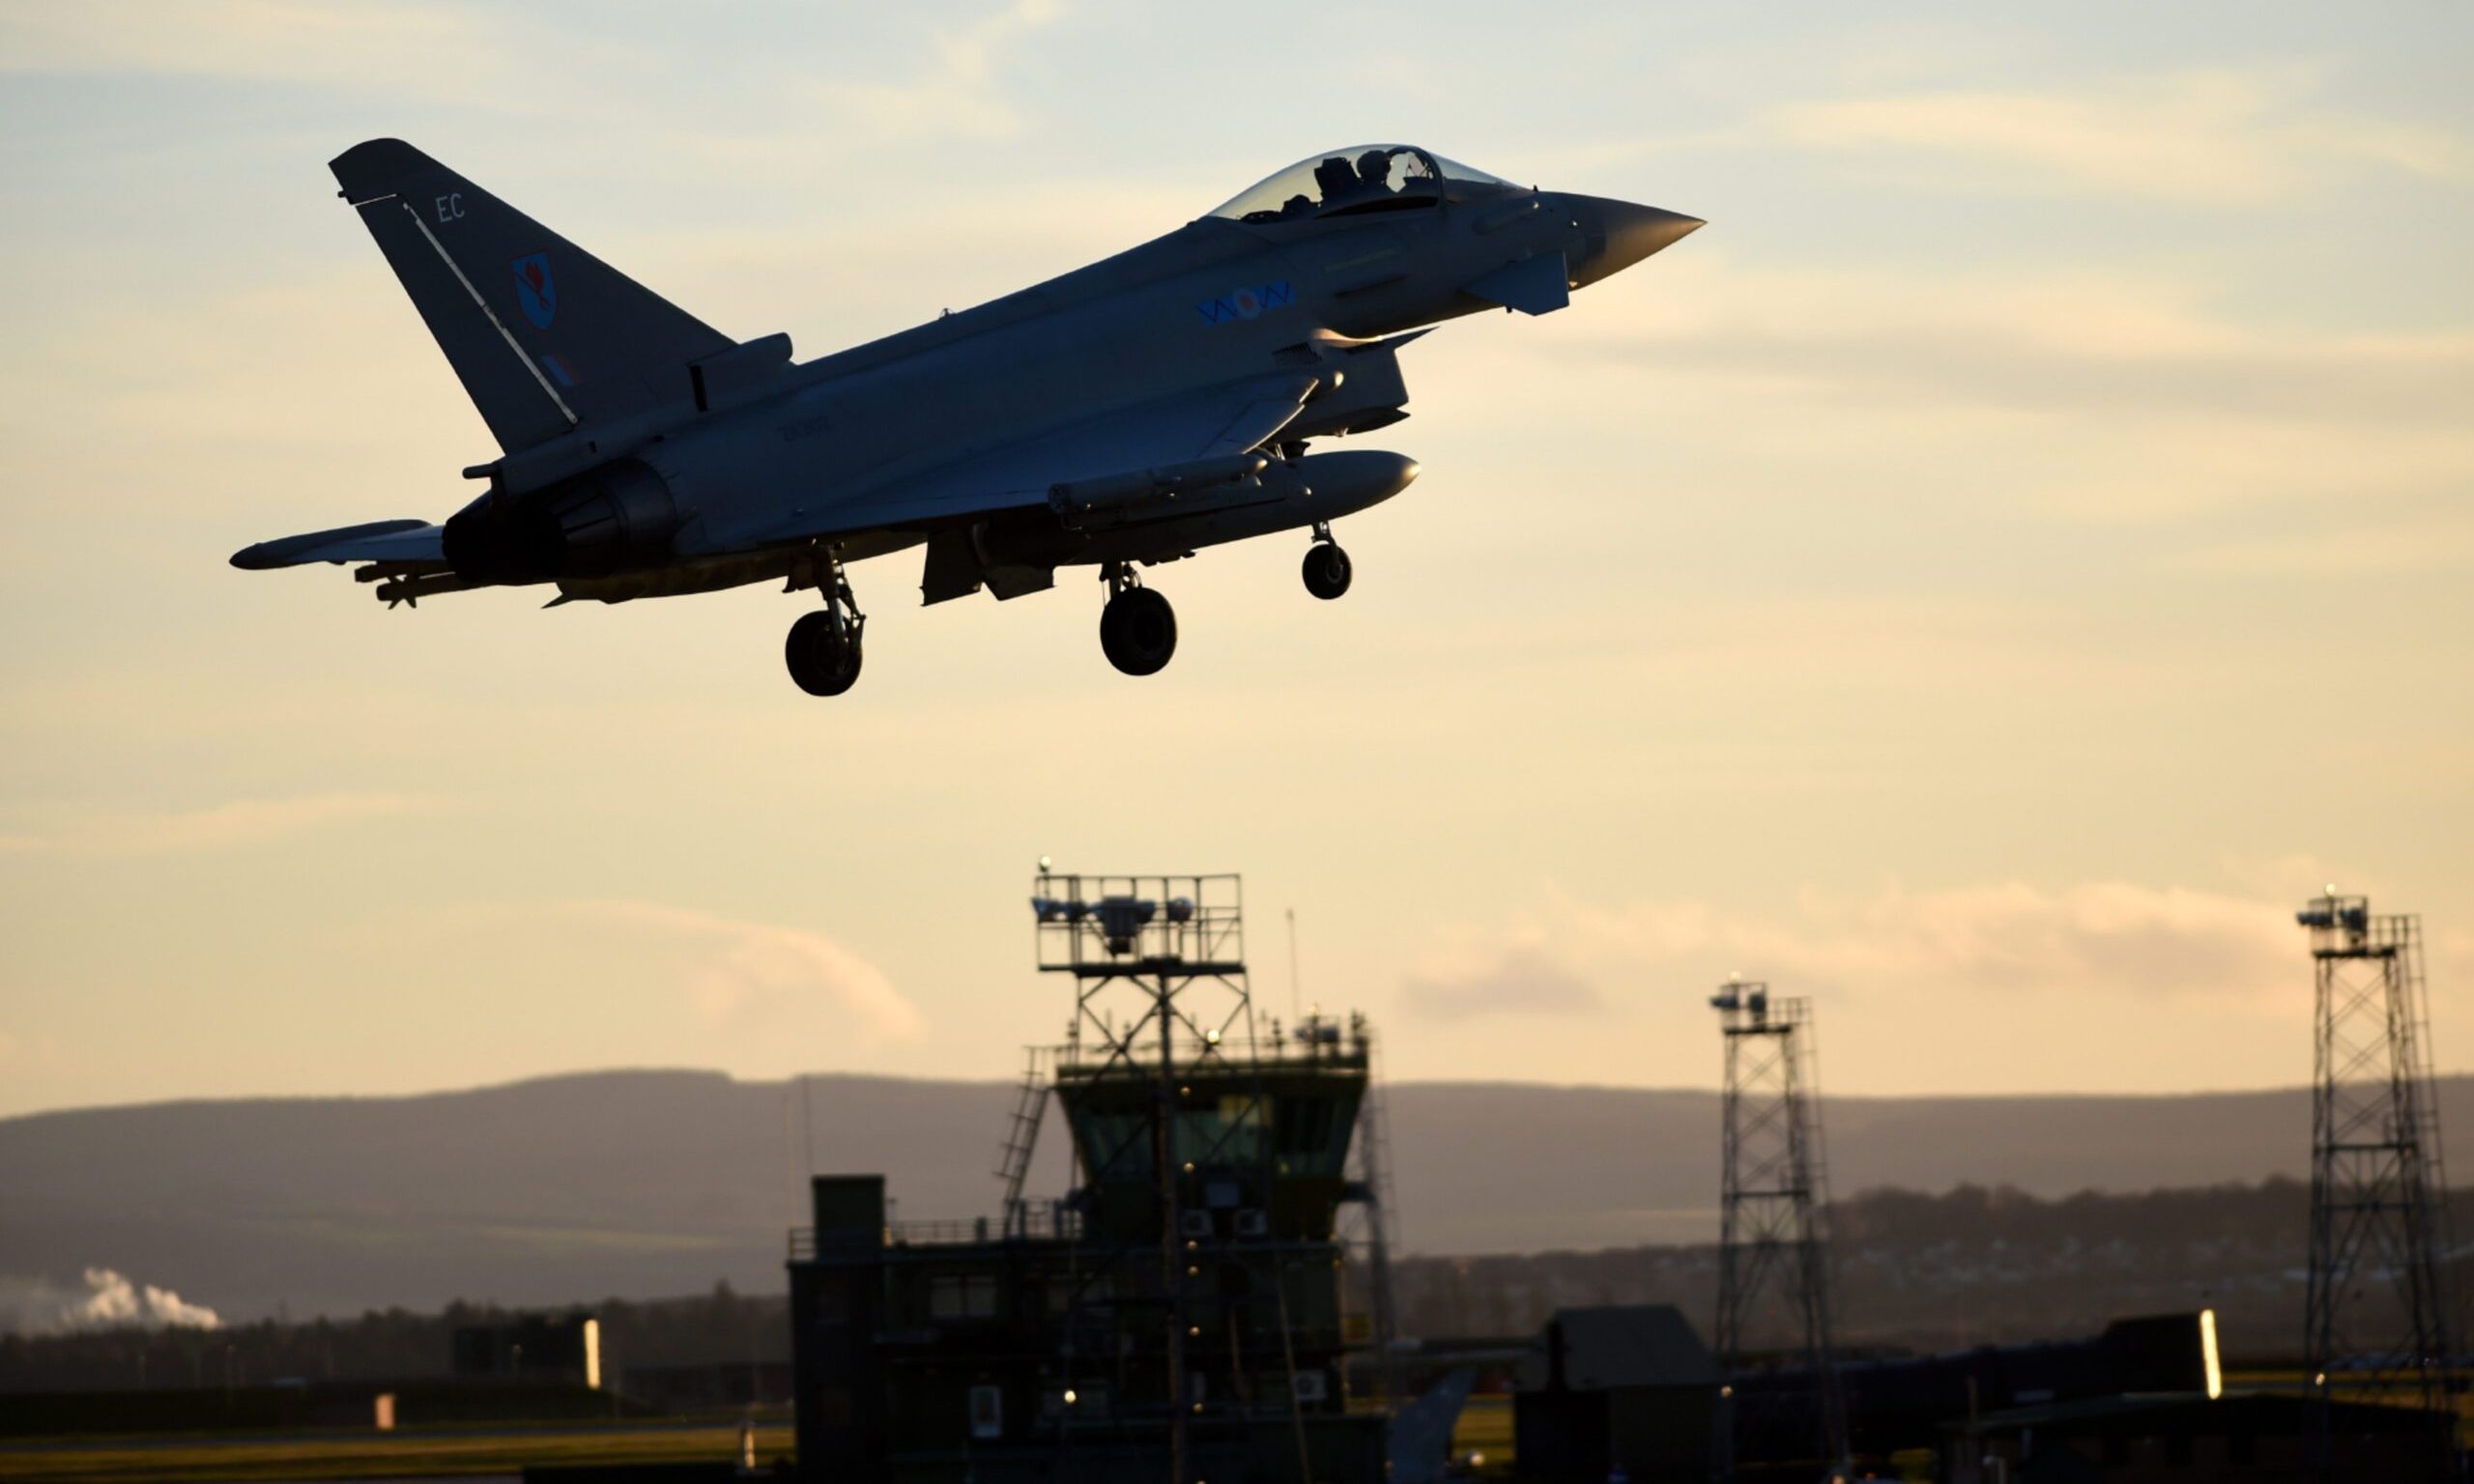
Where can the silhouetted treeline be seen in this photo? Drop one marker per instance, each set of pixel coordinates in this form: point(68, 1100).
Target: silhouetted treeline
point(721, 1328)
point(1976, 1264)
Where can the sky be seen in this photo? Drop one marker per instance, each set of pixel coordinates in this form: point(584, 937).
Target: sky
point(1983, 582)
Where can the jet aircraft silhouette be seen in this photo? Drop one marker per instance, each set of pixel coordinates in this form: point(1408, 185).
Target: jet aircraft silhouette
point(1126, 414)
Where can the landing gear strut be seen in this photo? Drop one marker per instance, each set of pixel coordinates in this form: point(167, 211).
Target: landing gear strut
point(1326, 566)
point(823, 650)
point(1137, 629)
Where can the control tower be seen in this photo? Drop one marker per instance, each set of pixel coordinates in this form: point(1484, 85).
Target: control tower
point(1175, 1316)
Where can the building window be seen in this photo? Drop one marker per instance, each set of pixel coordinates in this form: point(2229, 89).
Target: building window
point(963, 1296)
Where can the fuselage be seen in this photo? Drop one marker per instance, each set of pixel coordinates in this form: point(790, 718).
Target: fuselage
point(1211, 303)
point(968, 423)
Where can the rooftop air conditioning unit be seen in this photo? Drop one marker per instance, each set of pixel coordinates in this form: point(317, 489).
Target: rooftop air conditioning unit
point(1312, 1386)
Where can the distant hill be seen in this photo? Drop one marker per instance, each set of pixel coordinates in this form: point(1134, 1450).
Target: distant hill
point(658, 1183)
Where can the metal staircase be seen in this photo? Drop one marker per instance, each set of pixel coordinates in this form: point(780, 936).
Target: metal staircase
point(1022, 1134)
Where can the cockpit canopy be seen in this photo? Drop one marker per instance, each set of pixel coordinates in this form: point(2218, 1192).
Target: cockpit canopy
point(1346, 182)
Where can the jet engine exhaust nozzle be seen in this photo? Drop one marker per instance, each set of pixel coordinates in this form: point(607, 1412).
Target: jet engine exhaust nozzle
point(602, 520)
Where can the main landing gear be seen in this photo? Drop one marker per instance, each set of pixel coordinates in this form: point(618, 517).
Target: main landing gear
point(824, 650)
point(1327, 567)
point(1137, 629)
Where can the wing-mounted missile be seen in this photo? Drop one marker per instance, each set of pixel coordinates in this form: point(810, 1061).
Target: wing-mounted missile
point(1016, 552)
point(1142, 516)
point(1157, 493)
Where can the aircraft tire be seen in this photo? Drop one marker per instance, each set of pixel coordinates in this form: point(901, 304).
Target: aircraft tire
point(821, 661)
point(1327, 570)
point(1138, 630)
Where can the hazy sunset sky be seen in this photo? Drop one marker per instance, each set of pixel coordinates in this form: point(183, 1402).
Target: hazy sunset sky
point(1984, 581)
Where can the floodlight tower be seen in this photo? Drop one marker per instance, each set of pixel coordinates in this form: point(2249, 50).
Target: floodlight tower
point(1773, 1224)
point(2377, 1314)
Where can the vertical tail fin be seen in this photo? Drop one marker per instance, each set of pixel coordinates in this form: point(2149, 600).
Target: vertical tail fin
point(544, 335)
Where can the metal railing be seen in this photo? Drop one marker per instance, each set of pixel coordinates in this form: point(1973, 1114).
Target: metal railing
point(1030, 1223)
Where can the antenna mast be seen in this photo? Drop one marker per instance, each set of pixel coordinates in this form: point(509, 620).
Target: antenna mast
point(2378, 1312)
point(1773, 1221)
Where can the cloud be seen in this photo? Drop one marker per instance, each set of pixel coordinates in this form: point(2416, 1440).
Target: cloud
point(2225, 136)
point(272, 39)
point(2094, 397)
point(1522, 979)
point(957, 93)
point(737, 972)
point(2098, 937)
point(220, 827)
point(36, 1307)
point(2072, 341)
point(2380, 546)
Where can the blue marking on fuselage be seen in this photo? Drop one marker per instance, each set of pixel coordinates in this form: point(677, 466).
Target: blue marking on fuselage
point(1245, 303)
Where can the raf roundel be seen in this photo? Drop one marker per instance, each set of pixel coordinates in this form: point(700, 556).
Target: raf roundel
point(535, 292)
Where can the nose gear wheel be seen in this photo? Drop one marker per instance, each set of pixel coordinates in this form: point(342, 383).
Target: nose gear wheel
point(1327, 570)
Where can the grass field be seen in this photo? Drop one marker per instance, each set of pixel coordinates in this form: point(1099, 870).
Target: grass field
point(370, 1455)
point(1486, 1429)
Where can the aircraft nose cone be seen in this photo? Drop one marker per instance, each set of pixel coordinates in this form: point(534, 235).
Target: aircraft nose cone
point(1619, 233)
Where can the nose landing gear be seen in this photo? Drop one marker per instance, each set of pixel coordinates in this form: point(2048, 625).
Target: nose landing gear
point(823, 650)
point(1327, 569)
point(1137, 629)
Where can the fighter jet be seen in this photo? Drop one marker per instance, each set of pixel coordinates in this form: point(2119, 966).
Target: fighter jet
point(1128, 414)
